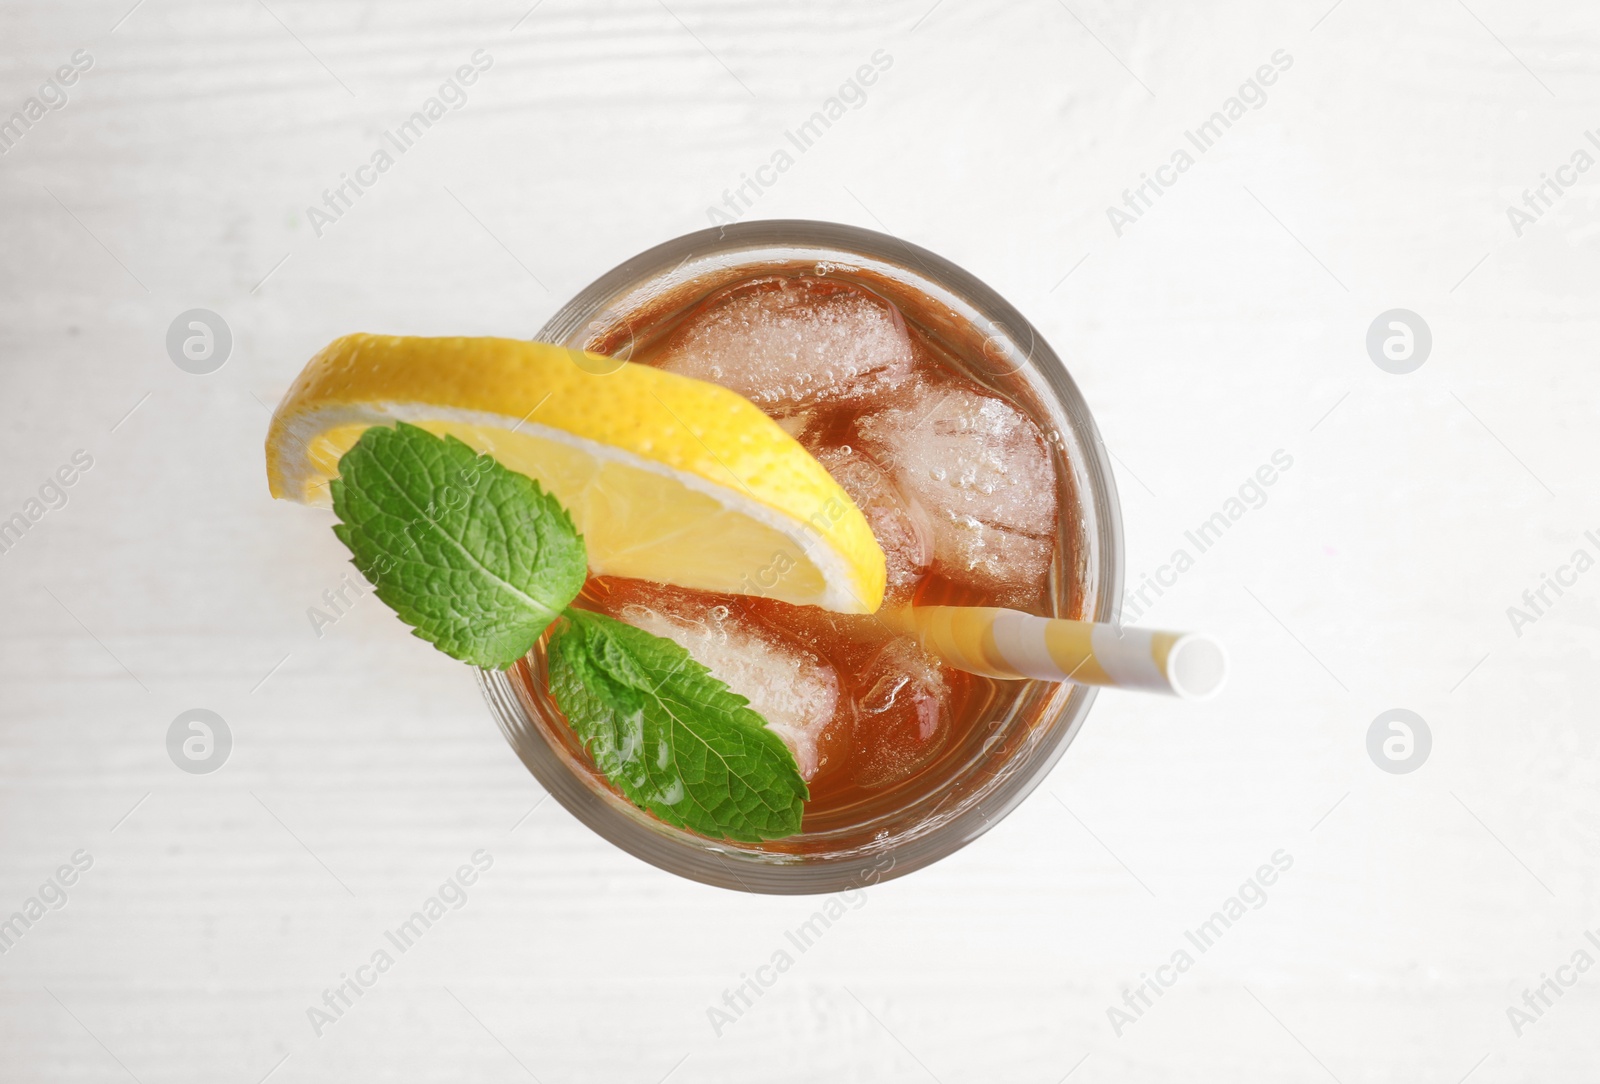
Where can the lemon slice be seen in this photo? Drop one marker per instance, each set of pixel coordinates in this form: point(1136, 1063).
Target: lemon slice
point(669, 478)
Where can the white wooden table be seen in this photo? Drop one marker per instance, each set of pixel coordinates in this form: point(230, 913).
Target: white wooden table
point(1228, 321)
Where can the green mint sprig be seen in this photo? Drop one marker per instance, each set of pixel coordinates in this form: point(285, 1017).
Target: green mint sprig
point(674, 739)
point(480, 561)
point(477, 559)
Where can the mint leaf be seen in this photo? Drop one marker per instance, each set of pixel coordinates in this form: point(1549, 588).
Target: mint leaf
point(477, 559)
point(674, 739)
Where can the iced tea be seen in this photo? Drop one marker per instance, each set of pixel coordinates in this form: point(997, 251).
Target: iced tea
point(956, 476)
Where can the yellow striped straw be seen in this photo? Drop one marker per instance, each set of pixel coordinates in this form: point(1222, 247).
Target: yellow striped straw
point(1004, 643)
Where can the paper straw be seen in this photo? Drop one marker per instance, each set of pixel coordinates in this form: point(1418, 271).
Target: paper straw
point(1004, 643)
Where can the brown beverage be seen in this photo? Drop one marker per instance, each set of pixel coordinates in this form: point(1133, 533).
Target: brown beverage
point(950, 463)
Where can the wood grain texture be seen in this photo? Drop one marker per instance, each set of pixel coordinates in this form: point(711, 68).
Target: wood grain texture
point(1226, 323)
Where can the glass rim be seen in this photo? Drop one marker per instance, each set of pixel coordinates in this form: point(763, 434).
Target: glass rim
point(728, 866)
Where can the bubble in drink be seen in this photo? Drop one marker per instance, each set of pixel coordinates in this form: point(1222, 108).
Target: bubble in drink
point(786, 342)
point(793, 690)
point(980, 471)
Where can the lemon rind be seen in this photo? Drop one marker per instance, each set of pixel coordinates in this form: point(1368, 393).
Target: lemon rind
point(295, 478)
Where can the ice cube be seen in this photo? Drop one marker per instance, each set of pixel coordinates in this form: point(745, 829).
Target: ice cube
point(902, 718)
point(799, 424)
point(979, 468)
point(900, 526)
point(791, 688)
point(785, 342)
